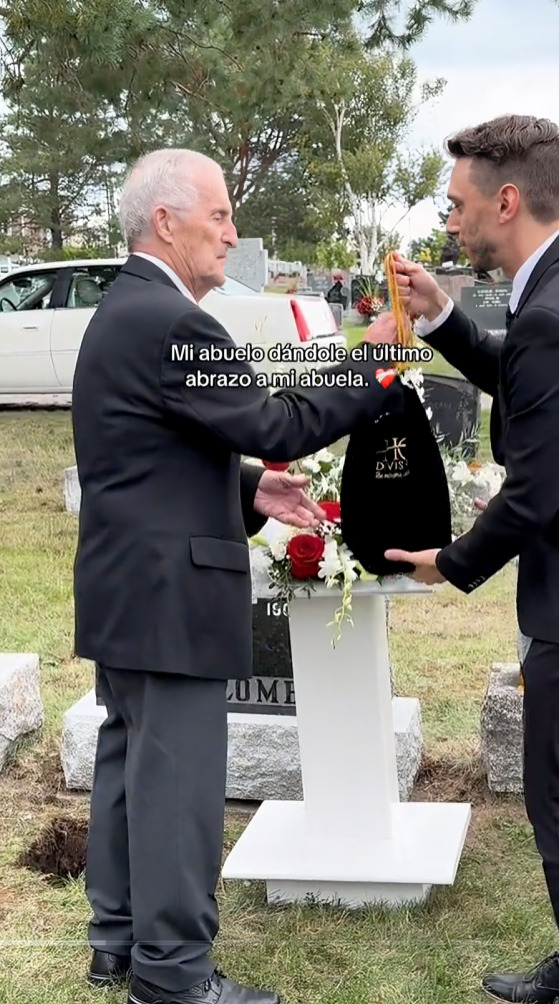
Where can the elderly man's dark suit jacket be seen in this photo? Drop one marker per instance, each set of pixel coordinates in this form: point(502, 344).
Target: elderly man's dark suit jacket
point(162, 573)
point(522, 374)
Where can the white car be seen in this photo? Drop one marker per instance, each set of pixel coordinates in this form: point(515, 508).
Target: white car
point(45, 309)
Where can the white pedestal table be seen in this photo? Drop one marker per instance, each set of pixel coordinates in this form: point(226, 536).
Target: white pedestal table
point(350, 841)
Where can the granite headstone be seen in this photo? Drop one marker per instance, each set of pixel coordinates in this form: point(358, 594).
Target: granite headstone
point(270, 690)
point(487, 306)
point(456, 411)
point(248, 263)
point(318, 283)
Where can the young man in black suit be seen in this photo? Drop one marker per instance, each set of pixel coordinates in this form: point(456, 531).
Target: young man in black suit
point(505, 194)
point(162, 414)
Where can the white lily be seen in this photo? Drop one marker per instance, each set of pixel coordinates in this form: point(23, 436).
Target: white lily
point(330, 564)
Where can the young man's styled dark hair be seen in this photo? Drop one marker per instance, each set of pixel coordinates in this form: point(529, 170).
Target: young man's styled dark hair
point(519, 150)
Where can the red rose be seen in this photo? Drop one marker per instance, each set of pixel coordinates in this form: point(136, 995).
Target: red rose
point(333, 511)
point(272, 466)
point(305, 551)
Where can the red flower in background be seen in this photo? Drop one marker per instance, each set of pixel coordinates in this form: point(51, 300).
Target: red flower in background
point(333, 511)
point(305, 551)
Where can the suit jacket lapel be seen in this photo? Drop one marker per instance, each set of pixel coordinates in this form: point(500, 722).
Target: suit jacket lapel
point(546, 261)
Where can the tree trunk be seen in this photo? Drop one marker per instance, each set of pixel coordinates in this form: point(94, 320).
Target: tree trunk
point(55, 226)
point(373, 236)
point(366, 232)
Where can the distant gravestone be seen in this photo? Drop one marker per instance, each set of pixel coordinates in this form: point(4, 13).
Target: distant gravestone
point(487, 306)
point(318, 283)
point(456, 412)
point(248, 263)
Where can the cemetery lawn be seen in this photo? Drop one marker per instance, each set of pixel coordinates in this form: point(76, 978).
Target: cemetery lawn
point(496, 914)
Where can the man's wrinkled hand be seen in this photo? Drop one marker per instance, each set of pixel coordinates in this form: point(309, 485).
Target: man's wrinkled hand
point(425, 565)
point(280, 496)
point(383, 331)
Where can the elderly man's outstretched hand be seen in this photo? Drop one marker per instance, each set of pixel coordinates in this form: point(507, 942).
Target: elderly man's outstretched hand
point(280, 496)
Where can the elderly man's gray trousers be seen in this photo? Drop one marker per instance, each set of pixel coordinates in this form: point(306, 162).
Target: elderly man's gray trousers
point(156, 827)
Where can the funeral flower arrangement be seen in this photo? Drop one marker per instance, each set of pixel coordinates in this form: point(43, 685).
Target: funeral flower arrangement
point(369, 306)
point(299, 559)
point(468, 480)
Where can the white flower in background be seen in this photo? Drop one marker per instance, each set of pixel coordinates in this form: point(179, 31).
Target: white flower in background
point(429, 413)
point(414, 378)
point(330, 564)
point(324, 485)
point(278, 548)
point(309, 464)
point(488, 480)
point(324, 457)
point(461, 473)
point(348, 563)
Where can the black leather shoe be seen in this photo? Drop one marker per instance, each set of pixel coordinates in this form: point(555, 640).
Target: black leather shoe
point(217, 989)
point(541, 986)
point(108, 970)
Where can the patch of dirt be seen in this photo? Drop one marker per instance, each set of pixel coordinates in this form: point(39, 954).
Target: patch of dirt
point(51, 777)
point(60, 849)
point(42, 772)
point(449, 779)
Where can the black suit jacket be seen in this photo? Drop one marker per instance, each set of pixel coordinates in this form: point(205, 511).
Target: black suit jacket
point(522, 374)
point(162, 574)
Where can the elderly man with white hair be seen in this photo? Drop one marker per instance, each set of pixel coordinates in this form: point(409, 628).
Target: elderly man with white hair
point(162, 573)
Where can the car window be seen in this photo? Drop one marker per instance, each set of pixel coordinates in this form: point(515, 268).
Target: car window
point(30, 291)
point(89, 284)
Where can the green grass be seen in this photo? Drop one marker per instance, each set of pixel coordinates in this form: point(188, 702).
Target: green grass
point(442, 645)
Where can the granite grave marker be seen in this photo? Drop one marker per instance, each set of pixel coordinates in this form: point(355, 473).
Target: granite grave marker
point(487, 306)
point(270, 690)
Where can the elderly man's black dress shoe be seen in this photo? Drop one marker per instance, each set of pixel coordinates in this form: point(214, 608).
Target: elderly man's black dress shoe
point(217, 990)
point(541, 986)
point(108, 970)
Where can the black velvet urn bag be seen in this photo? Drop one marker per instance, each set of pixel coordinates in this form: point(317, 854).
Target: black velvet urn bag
point(394, 492)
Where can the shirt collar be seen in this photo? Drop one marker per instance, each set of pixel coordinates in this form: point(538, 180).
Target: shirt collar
point(167, 268)
point(525, 271)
